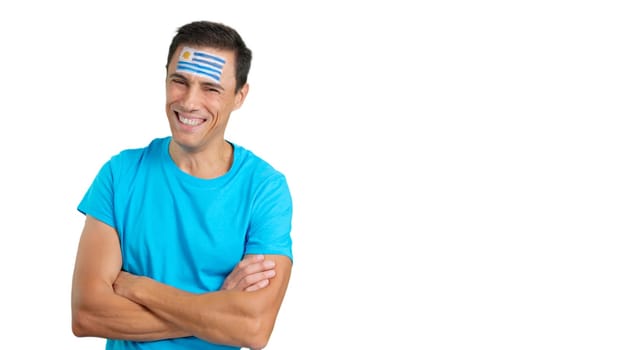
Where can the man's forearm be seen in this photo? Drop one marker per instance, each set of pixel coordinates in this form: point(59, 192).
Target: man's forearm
point(108, 315)
point(219, 317)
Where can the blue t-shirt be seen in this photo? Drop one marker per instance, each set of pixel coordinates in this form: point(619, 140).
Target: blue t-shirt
point(185, 231)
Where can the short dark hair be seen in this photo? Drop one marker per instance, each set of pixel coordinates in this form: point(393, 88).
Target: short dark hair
point(218, 36)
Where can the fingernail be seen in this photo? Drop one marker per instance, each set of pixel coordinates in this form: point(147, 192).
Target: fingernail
point(269, 263)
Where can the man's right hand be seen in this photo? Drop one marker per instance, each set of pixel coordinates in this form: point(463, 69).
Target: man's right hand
point(250, 274)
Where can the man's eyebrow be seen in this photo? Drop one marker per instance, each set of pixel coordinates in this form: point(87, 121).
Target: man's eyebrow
point(212, 85)
point(176, 75)
point(208, 84)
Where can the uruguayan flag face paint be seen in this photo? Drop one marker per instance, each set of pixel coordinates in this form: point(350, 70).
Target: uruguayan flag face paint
point(200, 63)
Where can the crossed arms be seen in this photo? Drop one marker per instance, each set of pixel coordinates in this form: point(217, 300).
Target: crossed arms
point(109, 303)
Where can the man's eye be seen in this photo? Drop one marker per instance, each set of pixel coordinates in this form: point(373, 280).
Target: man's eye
point(178, 81)
point(211, 89)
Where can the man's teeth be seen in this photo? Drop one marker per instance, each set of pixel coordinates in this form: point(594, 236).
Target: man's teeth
point(190, 121)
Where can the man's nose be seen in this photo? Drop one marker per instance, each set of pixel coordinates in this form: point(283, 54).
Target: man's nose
point(191, 99)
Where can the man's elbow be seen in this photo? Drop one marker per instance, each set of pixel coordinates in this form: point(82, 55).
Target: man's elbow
point(80, 324)
point(87, 304)
point(83, 320)
point(259, 333)
point(250, 331)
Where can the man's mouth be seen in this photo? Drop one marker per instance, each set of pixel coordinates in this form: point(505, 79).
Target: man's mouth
point(189, 121)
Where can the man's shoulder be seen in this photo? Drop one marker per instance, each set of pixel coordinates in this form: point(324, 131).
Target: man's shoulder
point(155, 144)
point(255, 164)
point(129, 157)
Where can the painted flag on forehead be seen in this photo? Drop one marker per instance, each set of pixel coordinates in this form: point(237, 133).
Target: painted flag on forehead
point(200, 63)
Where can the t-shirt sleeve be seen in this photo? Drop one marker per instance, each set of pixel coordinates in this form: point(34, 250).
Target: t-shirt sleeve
point(98, 200)
point(271, 221)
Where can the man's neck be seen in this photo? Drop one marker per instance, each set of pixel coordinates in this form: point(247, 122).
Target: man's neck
point(210, 162)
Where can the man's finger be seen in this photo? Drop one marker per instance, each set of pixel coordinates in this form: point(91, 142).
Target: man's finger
point(251, 259)
point(257, 286)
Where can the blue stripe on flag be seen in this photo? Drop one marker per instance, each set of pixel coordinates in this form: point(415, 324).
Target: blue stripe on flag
point(200, 66)
point(215, 58)
point(192, 69)
point(219, 66)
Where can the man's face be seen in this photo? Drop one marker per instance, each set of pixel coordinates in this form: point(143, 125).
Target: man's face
point(200, 95)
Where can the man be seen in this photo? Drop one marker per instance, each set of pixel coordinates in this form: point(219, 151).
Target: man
point(186, 243)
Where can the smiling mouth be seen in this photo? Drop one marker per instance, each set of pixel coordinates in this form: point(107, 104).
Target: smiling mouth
point(189, 121)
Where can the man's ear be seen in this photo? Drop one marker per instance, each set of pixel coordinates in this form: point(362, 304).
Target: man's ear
point(240, 96)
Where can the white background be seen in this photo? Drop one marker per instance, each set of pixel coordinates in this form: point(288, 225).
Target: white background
point(455, 165)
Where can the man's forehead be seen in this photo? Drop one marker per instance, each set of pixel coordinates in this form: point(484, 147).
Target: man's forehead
point(203, 63)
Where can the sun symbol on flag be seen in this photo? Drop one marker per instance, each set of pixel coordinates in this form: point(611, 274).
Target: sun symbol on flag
point(186, 55)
